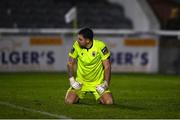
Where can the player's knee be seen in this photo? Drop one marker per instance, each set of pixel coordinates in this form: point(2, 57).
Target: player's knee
point(107, 99)
point(108, 102)
point(71, 97)
point(69, 101)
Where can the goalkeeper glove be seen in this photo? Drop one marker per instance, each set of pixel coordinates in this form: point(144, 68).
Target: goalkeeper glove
point(76, 85)
point(101, 88)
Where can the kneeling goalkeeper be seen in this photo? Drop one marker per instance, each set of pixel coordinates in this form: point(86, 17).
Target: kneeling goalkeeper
point(93, 69)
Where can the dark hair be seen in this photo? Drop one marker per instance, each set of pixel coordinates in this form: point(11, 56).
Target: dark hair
point(86, 33)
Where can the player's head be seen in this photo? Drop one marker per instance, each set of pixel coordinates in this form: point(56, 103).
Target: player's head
point(85, 36)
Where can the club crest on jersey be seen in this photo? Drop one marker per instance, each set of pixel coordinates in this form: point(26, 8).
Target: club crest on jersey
point(93, 53)
point(104, 50)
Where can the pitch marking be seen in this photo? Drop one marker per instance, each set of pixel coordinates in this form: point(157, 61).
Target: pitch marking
point(32, 110)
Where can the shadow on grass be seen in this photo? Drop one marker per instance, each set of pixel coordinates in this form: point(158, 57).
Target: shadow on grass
point(129, 107)
point(116, 105)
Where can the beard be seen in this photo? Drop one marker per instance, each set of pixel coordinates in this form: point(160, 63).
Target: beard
point(81, 46)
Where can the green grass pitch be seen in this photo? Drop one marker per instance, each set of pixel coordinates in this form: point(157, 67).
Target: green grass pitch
point(135, 96)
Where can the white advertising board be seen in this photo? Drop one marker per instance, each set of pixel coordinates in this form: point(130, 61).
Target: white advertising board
point(133, 54)
point(37, 53)
point(49, 53)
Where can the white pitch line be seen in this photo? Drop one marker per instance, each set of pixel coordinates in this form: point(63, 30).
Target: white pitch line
point(32, 110)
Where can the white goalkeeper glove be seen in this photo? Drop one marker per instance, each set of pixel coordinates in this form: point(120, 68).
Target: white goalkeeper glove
point(101, 88)
point(76, 85)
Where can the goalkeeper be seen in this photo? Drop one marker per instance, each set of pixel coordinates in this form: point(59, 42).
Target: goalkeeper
point(93, 69)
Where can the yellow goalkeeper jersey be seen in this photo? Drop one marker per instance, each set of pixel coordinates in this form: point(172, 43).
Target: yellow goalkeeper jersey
point(89, 62)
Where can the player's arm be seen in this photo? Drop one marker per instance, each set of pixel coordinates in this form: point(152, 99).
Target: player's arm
point(70, 66)
point(107, 70)
point(107, 76)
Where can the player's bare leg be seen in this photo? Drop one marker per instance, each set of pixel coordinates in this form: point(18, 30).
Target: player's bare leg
point(71, 97)
point(107, 99)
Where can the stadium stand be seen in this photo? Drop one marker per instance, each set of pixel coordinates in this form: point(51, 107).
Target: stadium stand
point(50, 14)
point(168, 13)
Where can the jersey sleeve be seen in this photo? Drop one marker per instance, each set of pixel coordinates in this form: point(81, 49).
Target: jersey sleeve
point(104, 52)
point(74, 53)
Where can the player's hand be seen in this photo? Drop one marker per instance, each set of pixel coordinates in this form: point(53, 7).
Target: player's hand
point(76, 85)
point(101, 88)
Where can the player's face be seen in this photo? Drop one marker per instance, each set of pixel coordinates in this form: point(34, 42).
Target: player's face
point(82, 41)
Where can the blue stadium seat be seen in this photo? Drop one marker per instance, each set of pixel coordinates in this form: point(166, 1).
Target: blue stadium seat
point(50, 14)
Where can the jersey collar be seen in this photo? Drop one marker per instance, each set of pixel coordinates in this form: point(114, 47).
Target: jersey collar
point(89, 47)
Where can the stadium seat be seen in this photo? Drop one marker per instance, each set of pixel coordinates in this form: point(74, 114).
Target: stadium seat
point(50, 14)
